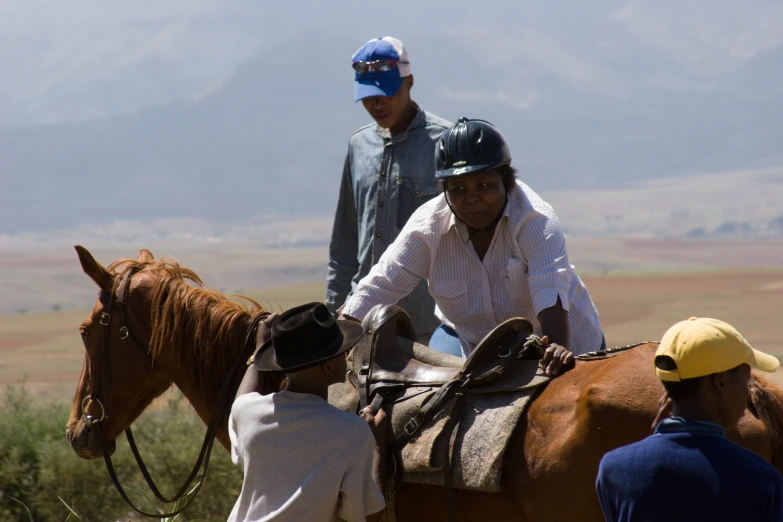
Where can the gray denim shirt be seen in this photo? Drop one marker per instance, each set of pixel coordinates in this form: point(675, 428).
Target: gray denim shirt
point(384, 180)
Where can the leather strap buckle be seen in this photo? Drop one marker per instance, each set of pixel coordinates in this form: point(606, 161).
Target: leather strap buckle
point(105, 318)
point(411, 426)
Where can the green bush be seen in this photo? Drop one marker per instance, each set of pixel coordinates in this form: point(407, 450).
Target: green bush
point(38, 466)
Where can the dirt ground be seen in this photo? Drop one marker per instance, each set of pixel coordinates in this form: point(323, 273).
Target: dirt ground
point(46, 348)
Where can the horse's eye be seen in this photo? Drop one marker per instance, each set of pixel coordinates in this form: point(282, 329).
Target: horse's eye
point(83, 333)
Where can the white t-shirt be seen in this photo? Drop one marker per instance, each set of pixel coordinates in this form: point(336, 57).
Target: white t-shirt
point(303, 460)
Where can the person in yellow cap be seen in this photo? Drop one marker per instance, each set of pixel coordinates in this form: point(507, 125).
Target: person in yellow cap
point(688, 470)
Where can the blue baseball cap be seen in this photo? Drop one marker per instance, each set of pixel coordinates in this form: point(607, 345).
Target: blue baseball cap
point(378, 83)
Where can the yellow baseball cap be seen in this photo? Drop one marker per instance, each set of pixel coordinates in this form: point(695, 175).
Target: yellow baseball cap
point(702, 346)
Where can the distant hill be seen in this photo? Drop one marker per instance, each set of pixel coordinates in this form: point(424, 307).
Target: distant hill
point(272, 139)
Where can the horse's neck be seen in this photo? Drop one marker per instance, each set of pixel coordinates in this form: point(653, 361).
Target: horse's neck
point(200, 379)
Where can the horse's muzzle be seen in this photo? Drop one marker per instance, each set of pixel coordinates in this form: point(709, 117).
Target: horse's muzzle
point(83, 441)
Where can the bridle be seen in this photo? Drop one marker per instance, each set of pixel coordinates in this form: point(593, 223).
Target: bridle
point(115, 309)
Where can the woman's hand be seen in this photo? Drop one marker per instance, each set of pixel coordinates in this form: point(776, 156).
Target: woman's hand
point(554, 324)
point(556, 360)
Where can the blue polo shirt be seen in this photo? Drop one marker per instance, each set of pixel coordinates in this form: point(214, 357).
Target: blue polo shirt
point(688, 471)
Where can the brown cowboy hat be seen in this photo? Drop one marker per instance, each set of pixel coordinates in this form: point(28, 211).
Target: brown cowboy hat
point(303, 337)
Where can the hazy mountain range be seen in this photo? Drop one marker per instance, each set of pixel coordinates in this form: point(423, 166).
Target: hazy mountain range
point(225, 111)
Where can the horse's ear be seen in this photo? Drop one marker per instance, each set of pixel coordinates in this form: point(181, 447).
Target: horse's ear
point(145, 256)
point(92, 268)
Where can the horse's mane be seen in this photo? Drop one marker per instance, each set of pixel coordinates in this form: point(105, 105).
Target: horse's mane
point(766, 403)
point(186, 316)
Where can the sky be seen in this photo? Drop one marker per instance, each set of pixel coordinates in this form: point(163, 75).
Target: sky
point(132, 55)
point(221, 100)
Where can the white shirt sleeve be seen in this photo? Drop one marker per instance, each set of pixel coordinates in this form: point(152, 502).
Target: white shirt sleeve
point(399, 270)
point(232, 434)
point(549, 272)
point(235, 421)
point(359, 497)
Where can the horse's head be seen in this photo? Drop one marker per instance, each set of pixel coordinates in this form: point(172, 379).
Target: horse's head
point(118, 379)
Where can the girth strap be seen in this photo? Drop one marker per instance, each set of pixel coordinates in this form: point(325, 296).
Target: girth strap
point(428, 410)
point(365, 369)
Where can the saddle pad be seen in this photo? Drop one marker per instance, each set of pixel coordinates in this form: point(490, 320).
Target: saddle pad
point(487, 422)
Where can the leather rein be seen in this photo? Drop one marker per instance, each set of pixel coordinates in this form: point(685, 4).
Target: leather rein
point(115, 309)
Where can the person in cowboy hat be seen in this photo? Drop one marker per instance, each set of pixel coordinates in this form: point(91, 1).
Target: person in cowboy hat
point(490, 249)
point(688, 470)
point(302, 458)
point(389, 172)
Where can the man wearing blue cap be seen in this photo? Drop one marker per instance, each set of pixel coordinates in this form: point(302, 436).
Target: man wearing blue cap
point(389, 172)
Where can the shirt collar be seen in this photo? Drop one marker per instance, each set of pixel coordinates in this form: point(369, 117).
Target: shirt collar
point(418, 121)
point(692, 426)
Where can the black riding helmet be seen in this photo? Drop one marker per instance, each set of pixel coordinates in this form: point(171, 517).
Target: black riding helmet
point(469, 147)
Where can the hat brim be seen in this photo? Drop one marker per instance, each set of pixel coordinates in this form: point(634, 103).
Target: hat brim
point(763, 361)
point(264, 358)
point(375, 87)
point(467, 170)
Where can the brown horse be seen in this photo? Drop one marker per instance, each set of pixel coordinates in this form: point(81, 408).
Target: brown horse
point(195, 334)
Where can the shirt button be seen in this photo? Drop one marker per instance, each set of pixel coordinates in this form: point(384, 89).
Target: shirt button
point(383, 174)
point(417, 192)
point(380, 203)
point(378, 234)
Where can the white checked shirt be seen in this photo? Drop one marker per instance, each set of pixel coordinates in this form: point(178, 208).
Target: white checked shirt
point(523, 272)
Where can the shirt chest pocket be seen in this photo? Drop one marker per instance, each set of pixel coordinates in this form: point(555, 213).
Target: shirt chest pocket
point(412, 194)
point(516, 283)
point(452, 298)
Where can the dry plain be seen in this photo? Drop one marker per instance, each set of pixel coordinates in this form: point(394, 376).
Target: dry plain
point(45, 348)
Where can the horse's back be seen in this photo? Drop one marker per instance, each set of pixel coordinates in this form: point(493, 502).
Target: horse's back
point(596, 397)
point(599, 405)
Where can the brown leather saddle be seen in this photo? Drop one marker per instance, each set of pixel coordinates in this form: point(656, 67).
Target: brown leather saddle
point(388, 360)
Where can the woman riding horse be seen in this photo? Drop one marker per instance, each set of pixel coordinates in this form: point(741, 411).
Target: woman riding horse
point(490, 249)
